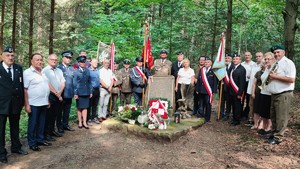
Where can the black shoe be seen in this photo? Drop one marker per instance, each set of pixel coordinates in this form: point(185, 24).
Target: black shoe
point(56, 134)
point(35, 148)
point(274, 141)
point(235, 123)
point(20, 151)
point(261, 132)
point(3, 160)
point(268, 136)
point(61, 131)
point(244, 118)
point(225, 118)
point(249, 124)
point(44, 144)
point(49, 138)
point(86, 127)
point(69, 128)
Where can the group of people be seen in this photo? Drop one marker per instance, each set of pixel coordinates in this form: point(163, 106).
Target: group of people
point(259, 91)
point(265, 87)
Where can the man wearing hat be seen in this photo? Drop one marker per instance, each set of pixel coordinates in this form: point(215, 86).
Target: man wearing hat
point(237, 83)
point(126, 90)
point(68, 93)
point(115, 91)
point(281, 86)
point(11, 102)
point(162, 66)
point(57, 84)
point(139, 78)
point(226, 87)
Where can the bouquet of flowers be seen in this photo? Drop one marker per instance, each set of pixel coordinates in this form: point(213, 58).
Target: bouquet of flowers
point(158, 115)
point(129, 111)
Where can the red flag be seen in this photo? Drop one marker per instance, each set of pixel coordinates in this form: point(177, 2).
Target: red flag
point(147, 52)
point(112, 56)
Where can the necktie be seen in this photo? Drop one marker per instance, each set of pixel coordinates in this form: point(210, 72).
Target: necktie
point(9, 72)
point(179, 64)
point(226, 67)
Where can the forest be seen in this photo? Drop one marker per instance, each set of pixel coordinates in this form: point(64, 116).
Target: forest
point(191, 26)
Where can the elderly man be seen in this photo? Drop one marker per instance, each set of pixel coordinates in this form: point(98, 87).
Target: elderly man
point(11, 102)
point(237, 88)
point(95, 80)
point(247, 64)
point(68, 93)
point(36, 92)
point(57, 85)
point(162, 66)
point(174, 71)
point(115, 91)
point(106, 80)
point(126, 89)
point(197, 70)
point(281, 86)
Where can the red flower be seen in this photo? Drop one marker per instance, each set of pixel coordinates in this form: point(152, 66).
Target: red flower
point(133, 109)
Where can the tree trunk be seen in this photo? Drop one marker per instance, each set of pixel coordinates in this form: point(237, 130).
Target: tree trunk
point(2, 25)
point(51, 27)
point(30, 29)
point(229, 27)
point(213, 45)
point(290, 14)
point(171, 28)
point(13, 36)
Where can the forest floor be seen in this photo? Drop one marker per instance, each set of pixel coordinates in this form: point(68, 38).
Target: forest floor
point(214, 145)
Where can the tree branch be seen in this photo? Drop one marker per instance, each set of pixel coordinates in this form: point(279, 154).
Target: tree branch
point(245, 5)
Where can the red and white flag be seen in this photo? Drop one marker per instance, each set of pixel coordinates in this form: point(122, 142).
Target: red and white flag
point(147, 52)
point(112, 56)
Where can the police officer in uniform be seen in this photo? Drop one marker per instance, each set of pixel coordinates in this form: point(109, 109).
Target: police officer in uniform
point(139, 77)
point(68, 93)
point(11, 102)
point(126, 90)
point(162, 66)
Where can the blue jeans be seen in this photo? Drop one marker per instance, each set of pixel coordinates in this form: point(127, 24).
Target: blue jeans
point(36, 124)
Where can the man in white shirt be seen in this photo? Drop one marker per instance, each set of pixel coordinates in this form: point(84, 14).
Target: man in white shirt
point(106, 80)
point(281, 86)
point(247, 64)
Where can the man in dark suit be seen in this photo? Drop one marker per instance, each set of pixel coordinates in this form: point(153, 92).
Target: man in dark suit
point(174, 71)
point(139, 78)
point(237, 87)
point(11, 102)
point(225, 92)
point(206, 87)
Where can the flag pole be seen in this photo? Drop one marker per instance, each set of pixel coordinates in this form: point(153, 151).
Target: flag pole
point(111, 68)
point(220, 100)
point(144, 60)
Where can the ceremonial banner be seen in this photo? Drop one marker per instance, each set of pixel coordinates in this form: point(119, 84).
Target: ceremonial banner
point(112, 57)
point(147, 52)
point(219, 64)
point(103, 51)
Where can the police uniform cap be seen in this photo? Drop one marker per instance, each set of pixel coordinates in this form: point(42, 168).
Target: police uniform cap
point(179, 53)
point(228, 54)
point(163, 51)
point(277, 47)
point(67, 54)
point(139, 59)
point(81, 59)
point(126, 62)
point(8, 49)
point(236, 55)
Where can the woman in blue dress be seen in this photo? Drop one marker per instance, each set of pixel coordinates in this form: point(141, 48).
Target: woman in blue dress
point(82, 91)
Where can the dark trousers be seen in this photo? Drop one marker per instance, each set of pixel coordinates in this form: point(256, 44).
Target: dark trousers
point(52, 114)
point(36, 124)
point(94, 101)
point(14, 133)
point(178, 95)
point(204, 107)
point(236, 108)
point(138, 98)
point(66, 110)
point(196, 102)
point(125, 98)
point(246, 99)
point(225, 112)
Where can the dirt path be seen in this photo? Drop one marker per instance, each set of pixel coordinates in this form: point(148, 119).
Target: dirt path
point(215, 145)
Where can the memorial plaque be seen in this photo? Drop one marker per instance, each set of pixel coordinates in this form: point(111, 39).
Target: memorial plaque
point(162, 87)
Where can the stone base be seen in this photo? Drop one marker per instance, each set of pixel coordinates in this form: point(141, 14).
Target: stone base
point(172, 133)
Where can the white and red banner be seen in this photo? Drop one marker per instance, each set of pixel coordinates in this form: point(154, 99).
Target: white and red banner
point(206, 85)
